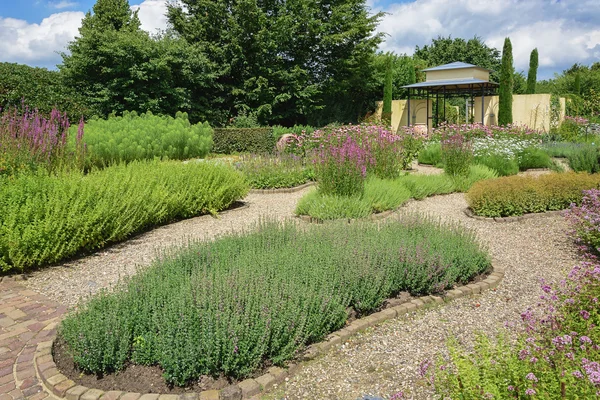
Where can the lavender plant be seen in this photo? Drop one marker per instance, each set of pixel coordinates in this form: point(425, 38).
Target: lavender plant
point(457, 155)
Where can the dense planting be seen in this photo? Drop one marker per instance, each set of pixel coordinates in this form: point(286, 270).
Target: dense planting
point(386, 194)
point(45, 218)
point(556, 351)
point(232, 305)
point(243, 140)
point(518, 195)
point(144, 137)
point(273, 172)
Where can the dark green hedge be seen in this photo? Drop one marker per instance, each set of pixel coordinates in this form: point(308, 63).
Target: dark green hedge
point(243, 140)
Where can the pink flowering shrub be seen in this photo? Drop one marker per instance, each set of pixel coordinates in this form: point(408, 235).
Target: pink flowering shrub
point(572, 127)
point(556, 353)
point(477, 130)
point(585, 220)
point(457, 154)
point(29, 140)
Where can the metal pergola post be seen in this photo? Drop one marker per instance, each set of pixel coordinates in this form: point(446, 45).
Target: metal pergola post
point(408, 117)
point(482, 103)
point(427, 111)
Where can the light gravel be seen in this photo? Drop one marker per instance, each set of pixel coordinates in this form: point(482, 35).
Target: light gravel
point(385, 359)
point(71, 281)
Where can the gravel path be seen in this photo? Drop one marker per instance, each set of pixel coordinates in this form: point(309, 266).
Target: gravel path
point(385, 359)
point(67, 283)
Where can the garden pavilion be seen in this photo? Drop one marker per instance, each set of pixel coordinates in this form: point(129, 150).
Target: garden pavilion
point(457, 79)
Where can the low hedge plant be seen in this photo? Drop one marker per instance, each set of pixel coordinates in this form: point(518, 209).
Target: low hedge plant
point(518, 195)
point(243, 140)
point(249, 300)
point(274, 172)
point(47, 218)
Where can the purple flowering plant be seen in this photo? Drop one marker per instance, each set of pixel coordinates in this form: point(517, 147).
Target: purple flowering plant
point(554, 351)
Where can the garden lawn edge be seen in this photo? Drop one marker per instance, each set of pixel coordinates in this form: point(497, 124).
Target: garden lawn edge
point(64, 388)
point(469, 213)
point(282, 190)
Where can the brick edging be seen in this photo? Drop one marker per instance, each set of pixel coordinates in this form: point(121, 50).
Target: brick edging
point(64, 388)
point(282, 190)
point(469, 213)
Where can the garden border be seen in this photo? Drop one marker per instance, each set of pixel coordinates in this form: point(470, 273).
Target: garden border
point(282, 190)
point(469, 213)
point(64, 388)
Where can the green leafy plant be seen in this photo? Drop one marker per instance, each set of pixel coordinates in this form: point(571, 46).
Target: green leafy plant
point(533, 157)
point(232, 305)
point(143, 137)
point(457, 155)
point(273, 172)
point(584, 158)
point(47, 218)
point(518, 195)
point(505, 166)
point(431, 154)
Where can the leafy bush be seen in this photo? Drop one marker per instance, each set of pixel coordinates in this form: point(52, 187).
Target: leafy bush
point(243, 140)
point(279, 131)
point(505, 166)
point(533, 157)
point(571, 128)
point(431, 155)
point(144, 137)
point(457, 155)
point(46, 218)
point(584, 158)
point(232, 305)
point(517, 195)
point(29, 141)
point(387, 194)
point(272, 172)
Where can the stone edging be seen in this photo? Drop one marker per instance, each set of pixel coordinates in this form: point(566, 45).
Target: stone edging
point(63, 387)
point(282, 190)
point(12, 278)
point(469, 213)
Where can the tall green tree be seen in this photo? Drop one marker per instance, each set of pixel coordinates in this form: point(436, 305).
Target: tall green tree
point(532, 74)
point(117, 66)
point(577, 83)
point(444, 50)
point(387, 90)
point(289, 62)
point(505, 91)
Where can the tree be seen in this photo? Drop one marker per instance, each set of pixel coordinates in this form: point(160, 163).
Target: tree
point(444, 50)
point(532, 74)
point(289, 62)
point(387, 90)
point(577, 83)
point(117, 66)
point(505, 91)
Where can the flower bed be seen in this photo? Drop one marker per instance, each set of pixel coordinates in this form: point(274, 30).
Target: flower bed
point(518, 195)
point(46, 218)
point(232, 305)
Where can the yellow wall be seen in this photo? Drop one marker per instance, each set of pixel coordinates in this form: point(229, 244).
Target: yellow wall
point(400, 112)
point(459, 73)
point(532, 110)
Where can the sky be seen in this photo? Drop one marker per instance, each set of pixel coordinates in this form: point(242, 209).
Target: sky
point(35, 32)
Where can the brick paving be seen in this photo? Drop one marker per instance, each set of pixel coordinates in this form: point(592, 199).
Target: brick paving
point(26, 319)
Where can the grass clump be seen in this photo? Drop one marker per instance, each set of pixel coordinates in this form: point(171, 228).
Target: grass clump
point(232, 305)
point(46, 218)
point(533, 157)
point(431, 155)
point(504, 166)
point(518, 195)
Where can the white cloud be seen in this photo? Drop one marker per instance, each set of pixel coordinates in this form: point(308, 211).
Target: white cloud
point(40, 43)
point(564, 31)
point(59, 5)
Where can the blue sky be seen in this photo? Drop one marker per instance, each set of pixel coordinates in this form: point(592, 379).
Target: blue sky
point(565, 32)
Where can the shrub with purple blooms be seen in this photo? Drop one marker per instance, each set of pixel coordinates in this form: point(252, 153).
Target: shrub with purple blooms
point(585, 220)
point(557, 351)
point(457, 155)
point(30, 140)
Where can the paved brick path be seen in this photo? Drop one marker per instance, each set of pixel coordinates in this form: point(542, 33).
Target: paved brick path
point(26, 319)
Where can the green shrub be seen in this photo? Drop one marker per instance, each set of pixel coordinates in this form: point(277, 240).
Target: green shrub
point(431, 155)
point(533, 157)
point(143, 137)
point(272, 172)
point(47, 218)
point(504, 166)
point(279, 131)
point(232, 305)
point(385, 194)
point(243, 140)
point(517, 195)
point(328, 207)
point(584, 158)
point(457, 155)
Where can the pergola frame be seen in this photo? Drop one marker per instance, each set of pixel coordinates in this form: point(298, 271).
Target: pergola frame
point(460, 88)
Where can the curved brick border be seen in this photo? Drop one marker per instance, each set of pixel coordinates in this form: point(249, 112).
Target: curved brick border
point(469, 213)
point(282, 190)
point(63, 387)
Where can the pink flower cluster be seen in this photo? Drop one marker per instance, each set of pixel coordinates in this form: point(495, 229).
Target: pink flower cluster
point(581, 121)
point(478, 130)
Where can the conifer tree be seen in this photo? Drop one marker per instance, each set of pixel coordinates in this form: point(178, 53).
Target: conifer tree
point(506, 85)
point(532, 74)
